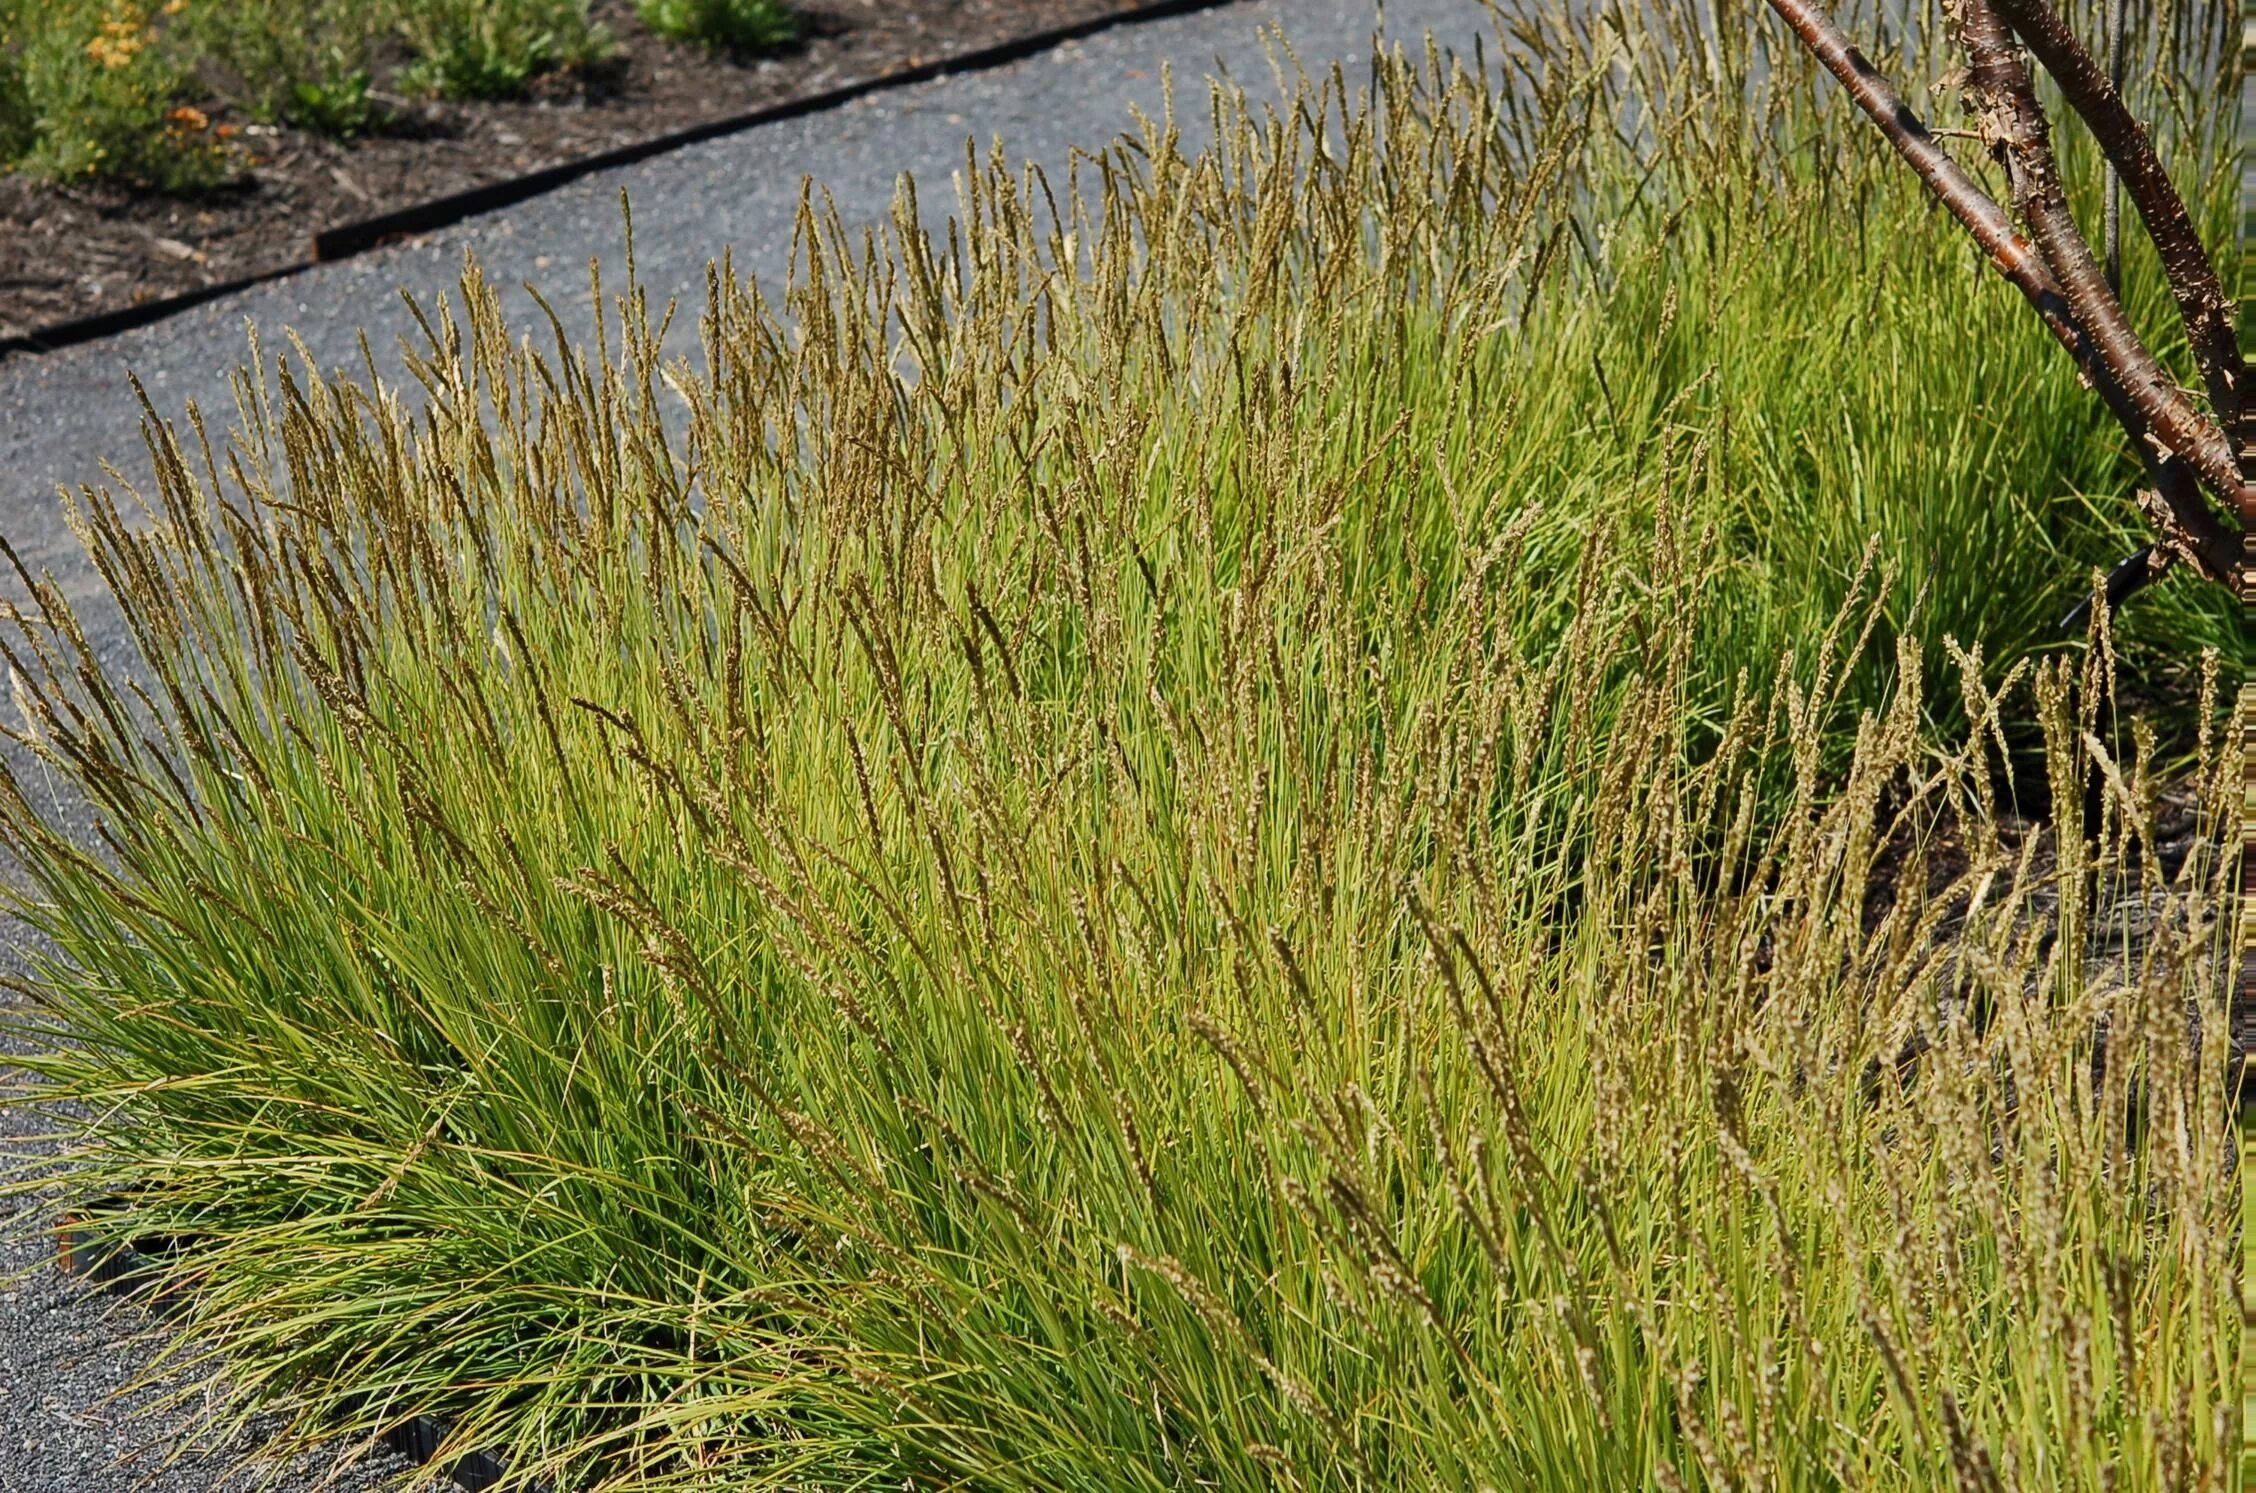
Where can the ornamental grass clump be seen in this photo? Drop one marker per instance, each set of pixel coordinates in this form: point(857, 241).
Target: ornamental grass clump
point(1184, 836)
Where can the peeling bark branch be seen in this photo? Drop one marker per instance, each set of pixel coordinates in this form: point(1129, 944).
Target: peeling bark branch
point(2093, 94)
point(2013, 255)
point(2116, 21)
point(2199, 533)
point(2015, 123)
point(2189, 527)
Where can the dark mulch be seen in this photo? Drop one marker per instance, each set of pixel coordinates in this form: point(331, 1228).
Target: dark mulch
point(70, 252)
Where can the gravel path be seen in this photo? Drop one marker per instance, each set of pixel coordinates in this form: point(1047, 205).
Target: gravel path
point(81, 1411)
point(75, 1413)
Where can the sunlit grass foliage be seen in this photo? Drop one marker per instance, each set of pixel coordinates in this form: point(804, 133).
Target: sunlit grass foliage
point(1263, 820)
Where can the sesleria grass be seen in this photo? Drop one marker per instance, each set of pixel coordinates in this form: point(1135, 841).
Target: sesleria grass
point(1253, 823)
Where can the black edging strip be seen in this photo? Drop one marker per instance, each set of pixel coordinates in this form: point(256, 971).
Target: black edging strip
point(132, 1272)
point(126, 318)
point(349, 239)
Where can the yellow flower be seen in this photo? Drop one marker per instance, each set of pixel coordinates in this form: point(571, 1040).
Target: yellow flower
point(121, 38)
point(175, 7)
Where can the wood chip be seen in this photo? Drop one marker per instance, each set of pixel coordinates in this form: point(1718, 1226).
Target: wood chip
point(173, 248)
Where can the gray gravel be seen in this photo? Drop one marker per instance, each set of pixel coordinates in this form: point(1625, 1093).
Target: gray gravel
point(75, 1413)
point(81, 1410)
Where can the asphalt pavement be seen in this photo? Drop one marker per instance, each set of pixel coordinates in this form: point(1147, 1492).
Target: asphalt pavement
point(86, 1405)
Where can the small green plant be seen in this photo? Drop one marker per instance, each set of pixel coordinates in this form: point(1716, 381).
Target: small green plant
point(492, 48)
point(735, 25)
point(338, 104)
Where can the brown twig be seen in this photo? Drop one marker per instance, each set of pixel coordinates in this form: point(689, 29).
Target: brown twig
point(2092, 93)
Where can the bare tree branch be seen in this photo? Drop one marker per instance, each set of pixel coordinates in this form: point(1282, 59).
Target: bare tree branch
point(2199, 534)
point(1993, 230)
point(2015, 123)
point(2092, 93)
point(2114, 247)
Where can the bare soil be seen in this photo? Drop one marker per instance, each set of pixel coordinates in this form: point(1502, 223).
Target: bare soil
point(77, 251)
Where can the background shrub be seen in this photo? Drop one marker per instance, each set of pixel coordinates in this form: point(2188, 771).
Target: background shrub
point(16, 119)
point(490, 48)
point(100, 88)
point(741, 25)
point(113, 88)
point(308, 61)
